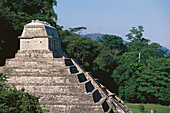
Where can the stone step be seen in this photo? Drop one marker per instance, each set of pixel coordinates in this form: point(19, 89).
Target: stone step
point(62, 101)
point(75, 108)
point(34, 53)
point(37, 59)
point(32, 69)
point(74, 88)
point(86, 96)
point(20, 56)
point(34, 62)
point(74, 85)
point(38, 74)
point(66, 98)
point(60, 70)
point(43, 80)
point(41, 84)
point(33, 65)
point(63, 93)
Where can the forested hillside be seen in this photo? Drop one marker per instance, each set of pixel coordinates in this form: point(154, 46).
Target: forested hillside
point(94, 36)
point(137, 71)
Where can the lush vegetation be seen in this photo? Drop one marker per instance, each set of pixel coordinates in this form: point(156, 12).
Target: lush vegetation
point(143, 72)
point(136, 108)
point(137, 71)
point(17, 101)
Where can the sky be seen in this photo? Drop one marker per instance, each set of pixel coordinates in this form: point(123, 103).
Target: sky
point(117, 17)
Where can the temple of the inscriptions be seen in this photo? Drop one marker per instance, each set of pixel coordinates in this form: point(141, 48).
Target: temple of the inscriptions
point(43, 69)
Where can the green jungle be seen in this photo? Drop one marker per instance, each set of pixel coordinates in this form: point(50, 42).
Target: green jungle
point(137, 72)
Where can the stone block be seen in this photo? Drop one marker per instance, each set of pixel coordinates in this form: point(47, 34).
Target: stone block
point(60, 88)
point(66, 98)
point(75, 108)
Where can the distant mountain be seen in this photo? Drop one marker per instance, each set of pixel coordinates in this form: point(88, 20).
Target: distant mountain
point(125, 42)
point(164, 48)
point(94, 36)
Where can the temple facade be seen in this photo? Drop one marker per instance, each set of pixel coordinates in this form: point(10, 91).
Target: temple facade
point(39, 35)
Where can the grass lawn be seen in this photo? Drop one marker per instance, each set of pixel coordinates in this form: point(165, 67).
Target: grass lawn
point(158, 108)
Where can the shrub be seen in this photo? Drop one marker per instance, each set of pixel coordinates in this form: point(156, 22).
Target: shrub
point(16, 101)
point(142, 108)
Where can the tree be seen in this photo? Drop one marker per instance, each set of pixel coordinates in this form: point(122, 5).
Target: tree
point(111, 42)
point(82, 48)
point(14, 14)
point(142, 83)
point(144, 79)
point(17, 101)
point(154, 79)
point(165, 97)
point(76, 29)
point(110, 47)
point(137, 34)
point(138, 41)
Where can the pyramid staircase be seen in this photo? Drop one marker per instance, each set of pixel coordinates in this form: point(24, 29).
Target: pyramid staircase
point(64, 86)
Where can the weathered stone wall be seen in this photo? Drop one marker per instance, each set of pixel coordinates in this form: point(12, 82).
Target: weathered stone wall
point(33, 31)
point(34, 44)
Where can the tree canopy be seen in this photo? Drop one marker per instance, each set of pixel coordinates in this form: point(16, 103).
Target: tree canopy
point(142, 78)
point(76, 29)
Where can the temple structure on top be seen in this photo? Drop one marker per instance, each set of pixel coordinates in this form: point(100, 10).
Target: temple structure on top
point(39, 35)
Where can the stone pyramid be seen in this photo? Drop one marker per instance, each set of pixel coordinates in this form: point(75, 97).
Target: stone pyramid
point(43, 69)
